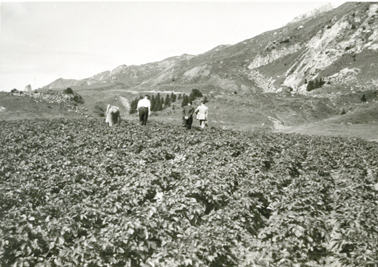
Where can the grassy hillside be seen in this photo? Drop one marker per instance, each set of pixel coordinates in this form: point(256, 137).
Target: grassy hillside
point(319, 46)
point(323, 112)
point(338, 46)
point(16, 107)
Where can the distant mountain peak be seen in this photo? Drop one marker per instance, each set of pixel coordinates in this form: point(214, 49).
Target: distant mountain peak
point(312, 13)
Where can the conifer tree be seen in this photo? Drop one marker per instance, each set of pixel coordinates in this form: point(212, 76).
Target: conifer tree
point(194, 94)
point(363, 98)
point(153, 103)
point(191, 97)
point(185, 100)
point(133, 106)
point(173, 97)
point(322, 82)
point(310, 86)
point(159, 102)
point(167, 101)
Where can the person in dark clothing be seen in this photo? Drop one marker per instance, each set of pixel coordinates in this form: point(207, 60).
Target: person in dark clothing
point(187, 115)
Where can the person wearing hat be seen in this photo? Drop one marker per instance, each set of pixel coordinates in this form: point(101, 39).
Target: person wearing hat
point(144, 109)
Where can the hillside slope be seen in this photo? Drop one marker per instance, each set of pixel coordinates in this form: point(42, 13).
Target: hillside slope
point(263, 83)
point(18, 106)
point(327, 116)
point(338, 45)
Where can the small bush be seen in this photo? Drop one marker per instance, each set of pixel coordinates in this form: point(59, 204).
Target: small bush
point(363, 98)
point(78, 99)
point(68, 91)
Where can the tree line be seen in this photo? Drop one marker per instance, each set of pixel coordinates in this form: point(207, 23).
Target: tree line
point(159, 102)
point(317, 83)
point(194, 94)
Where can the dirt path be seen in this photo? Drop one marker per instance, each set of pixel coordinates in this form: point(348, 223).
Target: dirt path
point(124, 102)
point(277, 124)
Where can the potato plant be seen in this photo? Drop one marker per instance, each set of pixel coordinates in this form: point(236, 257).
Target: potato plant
point(74, 192)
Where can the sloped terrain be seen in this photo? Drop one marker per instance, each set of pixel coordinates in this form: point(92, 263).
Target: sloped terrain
point(325, 113)
point(262, 83)
point(325, 44)
point(19, 106)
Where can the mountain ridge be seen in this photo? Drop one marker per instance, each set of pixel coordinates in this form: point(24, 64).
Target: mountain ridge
point(325, 43)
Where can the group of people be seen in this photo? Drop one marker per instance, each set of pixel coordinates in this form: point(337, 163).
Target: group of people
point(144, 110)
point(201, 114)
point(112, 115)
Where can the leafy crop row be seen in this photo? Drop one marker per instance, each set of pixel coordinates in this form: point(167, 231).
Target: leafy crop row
point(78, 193)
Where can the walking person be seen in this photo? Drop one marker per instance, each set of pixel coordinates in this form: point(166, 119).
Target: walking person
point(112, 115)
point(187, 115)
point(144, 109)
point(202, 112)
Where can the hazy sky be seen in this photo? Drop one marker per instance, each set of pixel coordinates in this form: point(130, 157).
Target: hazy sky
point(44, 41)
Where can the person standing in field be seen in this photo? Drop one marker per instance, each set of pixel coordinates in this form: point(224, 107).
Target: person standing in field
point(112, 115)
point(202, 112)
point(144, 109)
point(187, 114)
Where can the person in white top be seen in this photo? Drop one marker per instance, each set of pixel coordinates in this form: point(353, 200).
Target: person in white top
point(202, 112)
point(112, 115)
point(144, 109)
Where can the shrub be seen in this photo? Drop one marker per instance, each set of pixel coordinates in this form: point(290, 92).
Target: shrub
point(363, 98)
point(195, 93)
point(68, 91)
point(310, 86)
point(185, 100)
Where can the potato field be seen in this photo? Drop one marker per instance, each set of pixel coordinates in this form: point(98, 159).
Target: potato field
point(75, 192)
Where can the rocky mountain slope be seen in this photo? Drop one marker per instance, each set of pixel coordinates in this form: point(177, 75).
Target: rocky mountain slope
point(339, 46)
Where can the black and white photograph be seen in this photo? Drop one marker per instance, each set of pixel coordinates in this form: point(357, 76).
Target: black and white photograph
point(188, 133)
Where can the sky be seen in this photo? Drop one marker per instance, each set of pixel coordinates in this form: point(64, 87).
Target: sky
point(43, 41)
